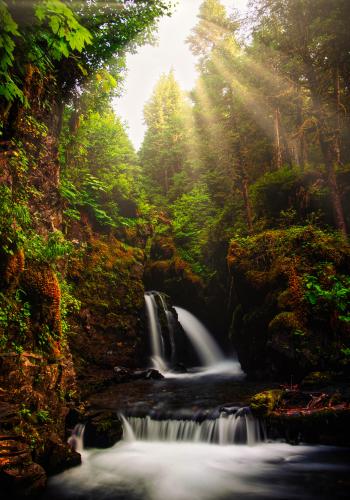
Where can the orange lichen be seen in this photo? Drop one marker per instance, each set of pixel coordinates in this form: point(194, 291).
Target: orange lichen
point(296, 291)
point(43, 286)
point(14, 267)
point(235, 253)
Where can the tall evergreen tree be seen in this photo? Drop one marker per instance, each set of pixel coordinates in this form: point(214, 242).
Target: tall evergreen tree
point(165, 149)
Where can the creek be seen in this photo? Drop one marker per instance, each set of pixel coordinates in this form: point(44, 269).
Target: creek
point(191, 436)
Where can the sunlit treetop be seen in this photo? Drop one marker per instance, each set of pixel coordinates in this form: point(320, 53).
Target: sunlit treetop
point(214, 25)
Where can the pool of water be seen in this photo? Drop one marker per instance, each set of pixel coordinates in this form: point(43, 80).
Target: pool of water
point(155, 470)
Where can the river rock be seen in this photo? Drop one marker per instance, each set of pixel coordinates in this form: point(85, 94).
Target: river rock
point(102, 429)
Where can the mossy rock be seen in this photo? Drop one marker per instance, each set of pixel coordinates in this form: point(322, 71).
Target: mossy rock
point(265, 402)
point(103, 429)
point(270, 273)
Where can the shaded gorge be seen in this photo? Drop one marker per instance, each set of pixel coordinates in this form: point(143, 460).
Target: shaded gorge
point(191, 435)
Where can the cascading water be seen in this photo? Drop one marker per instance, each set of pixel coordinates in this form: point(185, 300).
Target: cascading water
point(203, 460)
point(238, 427)
point(208, 352)
point(196, 450)
point(76, 440)
point(155, 331)
point(206, 348)
point(170, 324)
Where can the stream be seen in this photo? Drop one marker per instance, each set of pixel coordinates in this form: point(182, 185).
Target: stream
point(191, 436)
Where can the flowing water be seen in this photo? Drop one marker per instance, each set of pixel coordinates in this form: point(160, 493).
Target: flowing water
point(236, 427)
point(191, 437)
point(155, 331)
point(209, 353)
point(178, 460)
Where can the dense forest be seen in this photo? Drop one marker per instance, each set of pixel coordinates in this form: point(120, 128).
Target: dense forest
point(236, 207)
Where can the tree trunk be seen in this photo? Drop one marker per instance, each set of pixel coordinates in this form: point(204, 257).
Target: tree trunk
point(278, 148)
point(328, 148)
point(243, 180)
point(337, 125)
point(247, 205)
point(166, 180)
point(301, 144)
point(328, 153)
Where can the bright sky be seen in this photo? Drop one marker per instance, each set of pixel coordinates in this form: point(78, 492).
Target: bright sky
point(145, 67)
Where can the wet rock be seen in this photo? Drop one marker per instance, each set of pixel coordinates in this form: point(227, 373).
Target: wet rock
point(329, 426)
point(300, 416)
point(122, 374)
point(102, 429)
point(151, 374)
point(58, 456)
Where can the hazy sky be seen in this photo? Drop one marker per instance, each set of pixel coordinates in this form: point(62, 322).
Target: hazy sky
point(145, 67)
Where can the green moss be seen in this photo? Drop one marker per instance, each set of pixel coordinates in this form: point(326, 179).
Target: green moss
point(265, 402)
point(298, 277)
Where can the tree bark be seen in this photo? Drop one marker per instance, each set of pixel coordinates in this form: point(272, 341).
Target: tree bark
point(337, 127)
point(278, 148)
point(328, 148)
point(301, 144)
point(243, 180)
point(247, 205)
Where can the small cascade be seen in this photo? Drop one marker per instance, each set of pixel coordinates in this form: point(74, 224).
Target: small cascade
point(76, 440)
point(157, 341)
point(206, 348)
point(171, 327)
point(239, 427)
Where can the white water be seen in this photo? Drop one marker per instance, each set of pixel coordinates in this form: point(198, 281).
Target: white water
point(155, 332)
point(76, 440)
point(155, 470)
point(212, 359)
point(226, 429)
point(206, 348)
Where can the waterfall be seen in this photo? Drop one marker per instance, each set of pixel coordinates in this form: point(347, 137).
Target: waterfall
point(228, 428)
point(170, 323)
point(157, 342)
point(163, 347)
point(76, 440)
point(206, 348)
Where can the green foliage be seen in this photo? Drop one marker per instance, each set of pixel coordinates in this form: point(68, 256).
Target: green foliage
point(67, 33)
point(44, 338)
point(15, 313)
point(47, 250)
point(56, 33)
point(101, 176)
point(165, 151)
point(69, 304)
point(90, 35)
point(329, 291)
point(9, 89)
point(14, 219)
point(43, 416)
point(25, 412)
point(192, 215)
